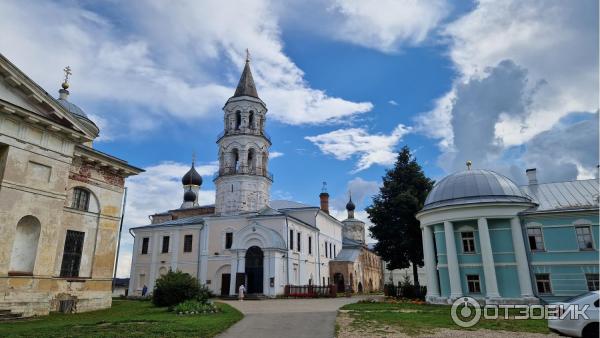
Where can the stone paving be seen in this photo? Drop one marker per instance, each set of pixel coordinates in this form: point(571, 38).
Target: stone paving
point(313, 318)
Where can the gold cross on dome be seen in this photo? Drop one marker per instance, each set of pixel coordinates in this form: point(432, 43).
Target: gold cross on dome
point(68, 72)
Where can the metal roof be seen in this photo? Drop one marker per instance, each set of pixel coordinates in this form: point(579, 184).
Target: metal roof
point(284, 204)
point(181, 221)
point(347, 255)
point(474, 186)
point(72, 108)
point(246, 85)
point(581, 194)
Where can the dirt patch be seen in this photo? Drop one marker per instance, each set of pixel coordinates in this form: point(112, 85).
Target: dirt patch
point(347, 330)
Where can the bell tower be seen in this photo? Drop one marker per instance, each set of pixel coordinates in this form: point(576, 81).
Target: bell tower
point(243, 182)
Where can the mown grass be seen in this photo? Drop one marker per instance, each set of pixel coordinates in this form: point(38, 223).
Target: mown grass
point(126, 318)
point(414, 319)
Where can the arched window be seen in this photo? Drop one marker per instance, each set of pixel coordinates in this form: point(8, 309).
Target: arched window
point(251, 120)
point(236, 160)
point(81, 199)
point(25, 245)
point(238, 119)
point(252, 161)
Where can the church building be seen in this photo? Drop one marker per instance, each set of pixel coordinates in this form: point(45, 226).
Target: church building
point(487, 238)
point(60, 202)
point(245, 237)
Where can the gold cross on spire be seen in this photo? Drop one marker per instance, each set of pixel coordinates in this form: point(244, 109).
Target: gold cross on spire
point(247, 55)
point(68, 72)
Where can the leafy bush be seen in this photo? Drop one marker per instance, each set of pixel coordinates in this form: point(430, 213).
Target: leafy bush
point(204, 294)
point(174, 288)
point(405, 289)
point(194, 307)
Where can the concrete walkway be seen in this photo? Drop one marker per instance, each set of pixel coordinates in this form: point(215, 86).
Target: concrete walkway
point(314, 318)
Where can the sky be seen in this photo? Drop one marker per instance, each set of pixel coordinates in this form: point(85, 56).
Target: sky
point(507, 84)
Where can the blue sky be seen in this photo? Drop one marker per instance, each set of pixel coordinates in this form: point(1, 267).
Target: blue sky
point(507, 84)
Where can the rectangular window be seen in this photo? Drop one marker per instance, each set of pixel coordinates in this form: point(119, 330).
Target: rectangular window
point(310, 245)
point(334, 251)
point(542, 280)
point(187, 243)
point(592, 281)
point(298, 242)
point(330, 250)
point(291, 240)
point(468, 241)
point(165, 244)
point(584, 237)
point(72, 254)
point(145, 242)
point(326, 255)
point(536, 241)
point(473, 284)
point(228, 240)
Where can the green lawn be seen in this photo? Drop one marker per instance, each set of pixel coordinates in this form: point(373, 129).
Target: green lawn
point(126, 318)
point(414, 319)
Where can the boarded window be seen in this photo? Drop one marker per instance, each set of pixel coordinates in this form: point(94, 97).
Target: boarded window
point(187, 243)
point(473, 283)
point(228, 240)
point(468, 242)
point(165, 244)
point(542, 281)
point(536, 241)
point(72, 254)
point(81, 199)
point(145, 242)
point(584, 238)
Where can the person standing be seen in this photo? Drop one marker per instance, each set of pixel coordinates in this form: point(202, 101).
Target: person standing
point(144, 290)
point(241, 292)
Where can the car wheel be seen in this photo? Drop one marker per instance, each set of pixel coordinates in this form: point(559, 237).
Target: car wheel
point(590, 331)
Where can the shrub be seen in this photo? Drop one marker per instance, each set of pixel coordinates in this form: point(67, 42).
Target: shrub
point(204, 294)
point(174, 288)
point(194, 307)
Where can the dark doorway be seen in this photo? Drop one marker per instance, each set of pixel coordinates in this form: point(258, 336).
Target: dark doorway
point(225, 280)
point(360, 288)
point(338, 280)
point(254, 270)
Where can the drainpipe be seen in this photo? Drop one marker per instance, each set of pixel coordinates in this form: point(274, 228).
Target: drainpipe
point(119, 239)
point(287, 259)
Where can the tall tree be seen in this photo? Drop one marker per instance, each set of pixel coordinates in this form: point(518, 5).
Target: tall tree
point(395, 226)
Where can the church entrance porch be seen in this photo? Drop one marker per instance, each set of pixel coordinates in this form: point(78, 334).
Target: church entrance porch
point(254, 270)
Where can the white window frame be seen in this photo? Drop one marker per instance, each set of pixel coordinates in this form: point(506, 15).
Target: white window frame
point(543, 239)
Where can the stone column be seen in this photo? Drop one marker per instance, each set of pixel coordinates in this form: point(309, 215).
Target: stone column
point(521, 258)
point(430, 264)
point(234, 269)
point(453, 269)
point(487, 259)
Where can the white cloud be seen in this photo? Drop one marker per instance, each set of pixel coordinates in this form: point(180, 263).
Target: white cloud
point(385, 25)
point(184, 68)
point(362, 192)
point(393, 103)
point(553, 46)
point(275, 154)
point(370, 149)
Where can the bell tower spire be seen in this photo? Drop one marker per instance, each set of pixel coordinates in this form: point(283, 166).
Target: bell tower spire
point(243, 182)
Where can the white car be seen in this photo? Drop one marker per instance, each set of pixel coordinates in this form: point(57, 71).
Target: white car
point(578, 326)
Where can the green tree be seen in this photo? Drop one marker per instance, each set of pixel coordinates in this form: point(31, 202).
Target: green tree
point(395, 226)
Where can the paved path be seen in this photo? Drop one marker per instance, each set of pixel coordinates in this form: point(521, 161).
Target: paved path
point(314, 318)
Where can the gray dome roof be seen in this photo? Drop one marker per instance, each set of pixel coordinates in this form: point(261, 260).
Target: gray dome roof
point(474, 186)
point(72, 108)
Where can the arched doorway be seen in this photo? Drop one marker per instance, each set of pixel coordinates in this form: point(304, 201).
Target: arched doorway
point(360, 287)
point(338, 279)
point(254, 270)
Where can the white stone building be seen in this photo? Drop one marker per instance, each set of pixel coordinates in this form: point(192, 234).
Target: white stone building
point(244, 237)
